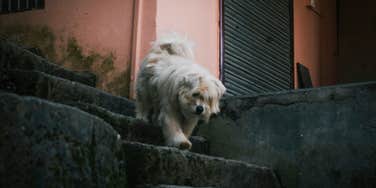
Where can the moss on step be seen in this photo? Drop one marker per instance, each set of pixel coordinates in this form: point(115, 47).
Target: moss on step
point(72, 55)
point(120, 84)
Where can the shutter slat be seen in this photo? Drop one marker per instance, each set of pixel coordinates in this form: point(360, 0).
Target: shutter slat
point(257, 46)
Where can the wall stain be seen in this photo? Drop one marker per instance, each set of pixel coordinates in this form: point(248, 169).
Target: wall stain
point(71, 55)
point(40, 37)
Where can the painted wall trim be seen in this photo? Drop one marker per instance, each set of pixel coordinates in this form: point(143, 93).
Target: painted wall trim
point(221, 40)
point(144, 31)
point(136, 44)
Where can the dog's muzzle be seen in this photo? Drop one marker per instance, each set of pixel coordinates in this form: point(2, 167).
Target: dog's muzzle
point(199, 110)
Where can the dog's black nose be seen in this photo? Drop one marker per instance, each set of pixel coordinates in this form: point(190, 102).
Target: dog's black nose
point(199, 110)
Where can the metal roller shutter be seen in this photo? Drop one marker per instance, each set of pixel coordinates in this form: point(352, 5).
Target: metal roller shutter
point(257, 46)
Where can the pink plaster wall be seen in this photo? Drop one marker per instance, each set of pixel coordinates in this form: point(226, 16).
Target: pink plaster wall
point(315, 40)
point(199, 21)
point(306, 40)
point(102, 26)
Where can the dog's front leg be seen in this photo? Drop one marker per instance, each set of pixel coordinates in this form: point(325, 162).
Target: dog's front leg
point(173, 133)
point(188, 126)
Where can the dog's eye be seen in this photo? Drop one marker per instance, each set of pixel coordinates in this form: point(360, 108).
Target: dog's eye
point(196, 94)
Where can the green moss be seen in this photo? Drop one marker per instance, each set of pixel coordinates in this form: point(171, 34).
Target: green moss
point(40, 37)
point(107, 64)
point(120, 85)
point(78, 61)
point(72, 56)
point(74, 52)
point(94, 62)
point(75, 59)
point(101, 65)
point(102, 68)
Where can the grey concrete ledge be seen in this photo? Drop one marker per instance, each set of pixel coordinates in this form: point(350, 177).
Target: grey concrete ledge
point(234, 105)
point(163, 165)
point(168, 186)
point(320, 137)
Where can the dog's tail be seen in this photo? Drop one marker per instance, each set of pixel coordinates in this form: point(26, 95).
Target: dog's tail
point(174, 44)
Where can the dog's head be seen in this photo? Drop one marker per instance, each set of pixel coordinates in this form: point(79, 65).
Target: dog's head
point(199, 96)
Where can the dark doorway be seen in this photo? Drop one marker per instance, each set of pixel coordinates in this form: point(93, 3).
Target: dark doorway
point(357, 41)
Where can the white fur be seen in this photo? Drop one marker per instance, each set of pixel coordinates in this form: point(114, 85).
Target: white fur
point(170, 88)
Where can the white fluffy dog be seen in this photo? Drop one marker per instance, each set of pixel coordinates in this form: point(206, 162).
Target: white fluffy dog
point(174, 92)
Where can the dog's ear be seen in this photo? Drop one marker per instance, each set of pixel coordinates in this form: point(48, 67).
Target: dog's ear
point(215, 95)
point(219, 87)
point(190, 81)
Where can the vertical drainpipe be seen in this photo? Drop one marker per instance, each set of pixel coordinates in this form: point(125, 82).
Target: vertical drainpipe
point(221, 71)
point(143, 32)
point(136, 39)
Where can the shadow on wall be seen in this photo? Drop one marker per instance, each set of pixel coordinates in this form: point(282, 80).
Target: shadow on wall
point(71, 56)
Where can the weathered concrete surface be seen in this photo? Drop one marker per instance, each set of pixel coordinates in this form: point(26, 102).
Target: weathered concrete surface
point(43, 144)
point(323, 137)
point(60, 90)
point(167, 186)
point(162, 165)
point(16, 57)
point(129, 128)
point(91, 100)
point(133, 129)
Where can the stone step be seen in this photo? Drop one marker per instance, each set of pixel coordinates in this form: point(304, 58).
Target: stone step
point(14, 56)
point(321, 137)
point(45, 86)
point(89, 99)
point(167, 186)
point(133, 129)
point(44, 144)
point(163, 165)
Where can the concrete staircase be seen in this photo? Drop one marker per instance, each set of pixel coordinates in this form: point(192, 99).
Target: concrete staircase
point(57, 130)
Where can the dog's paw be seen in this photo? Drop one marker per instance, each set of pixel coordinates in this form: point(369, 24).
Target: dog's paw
point(180, 141)
point(185, 145)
